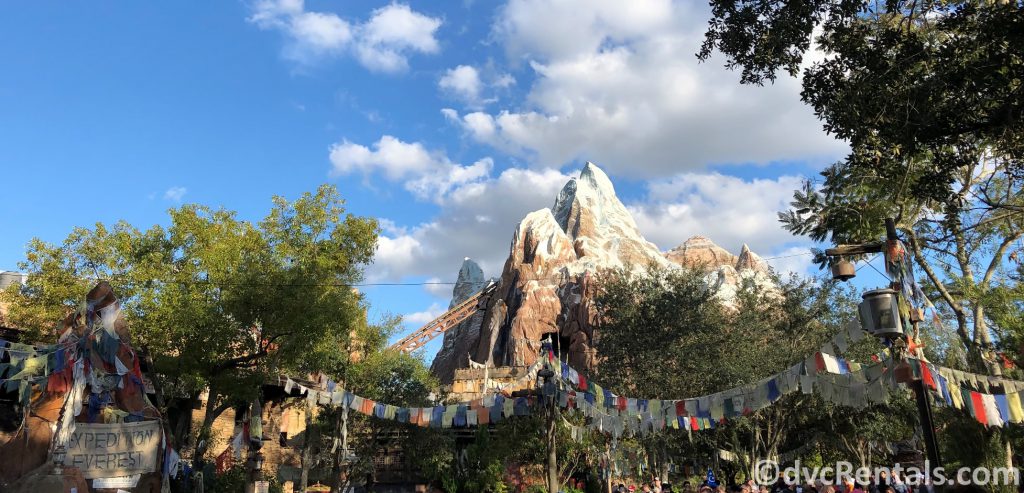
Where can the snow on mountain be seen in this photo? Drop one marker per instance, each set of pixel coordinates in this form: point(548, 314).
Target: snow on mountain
point(546, 286)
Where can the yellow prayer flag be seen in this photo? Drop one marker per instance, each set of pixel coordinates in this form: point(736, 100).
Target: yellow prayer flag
point(1013, 402)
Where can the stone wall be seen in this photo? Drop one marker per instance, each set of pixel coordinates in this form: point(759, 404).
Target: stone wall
point(281, 461)
point(471, 383)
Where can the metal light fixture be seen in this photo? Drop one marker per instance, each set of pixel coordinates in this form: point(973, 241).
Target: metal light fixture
point(843, 269)
point(547, 383)
point(880, 314)
point(258, 461)
point(59, 454)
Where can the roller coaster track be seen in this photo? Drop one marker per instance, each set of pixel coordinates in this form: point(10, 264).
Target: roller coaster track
point(445, 321)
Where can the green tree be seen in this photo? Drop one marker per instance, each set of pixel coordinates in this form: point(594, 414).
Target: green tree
point(928, 94)
point(928, 86)
point(218, 302)
point(665, 335)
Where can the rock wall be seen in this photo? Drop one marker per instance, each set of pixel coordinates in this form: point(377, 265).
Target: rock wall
point(546, 285)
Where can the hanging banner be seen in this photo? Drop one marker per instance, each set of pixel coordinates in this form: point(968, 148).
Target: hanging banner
point(116, 449)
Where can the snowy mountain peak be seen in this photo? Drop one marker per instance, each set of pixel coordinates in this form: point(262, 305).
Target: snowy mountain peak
point(547, 287)
point(470, 280)
point(749, 260)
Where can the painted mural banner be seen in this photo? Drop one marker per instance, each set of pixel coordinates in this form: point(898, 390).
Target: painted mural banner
point(116, 449)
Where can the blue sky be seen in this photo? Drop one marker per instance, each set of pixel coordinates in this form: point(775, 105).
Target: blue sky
point(447, 120)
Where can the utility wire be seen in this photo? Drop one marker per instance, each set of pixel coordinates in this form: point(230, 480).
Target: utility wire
point(199, 282)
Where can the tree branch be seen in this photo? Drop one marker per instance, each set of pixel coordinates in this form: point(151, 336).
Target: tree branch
point(247, 361)
point(997, 258)
point(946, 296)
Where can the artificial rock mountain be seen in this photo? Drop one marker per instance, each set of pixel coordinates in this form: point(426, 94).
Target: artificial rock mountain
point(546, 286)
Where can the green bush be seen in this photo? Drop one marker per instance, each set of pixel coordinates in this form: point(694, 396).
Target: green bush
point(231, 481)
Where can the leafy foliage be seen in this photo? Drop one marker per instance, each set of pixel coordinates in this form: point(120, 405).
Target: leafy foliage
point(217, 301)
point(923, 87)
point(666, 335)
point(928, 94)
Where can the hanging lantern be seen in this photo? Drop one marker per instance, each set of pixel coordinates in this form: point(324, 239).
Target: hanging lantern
point(880, 315)
point(843, 269)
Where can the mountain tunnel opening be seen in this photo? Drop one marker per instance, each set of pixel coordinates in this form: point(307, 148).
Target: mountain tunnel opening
point(560, 345)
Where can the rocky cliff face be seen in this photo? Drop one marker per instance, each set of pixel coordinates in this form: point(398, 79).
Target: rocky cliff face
point(546, 287)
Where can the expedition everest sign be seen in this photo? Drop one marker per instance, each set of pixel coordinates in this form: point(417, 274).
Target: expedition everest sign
point(110, 450)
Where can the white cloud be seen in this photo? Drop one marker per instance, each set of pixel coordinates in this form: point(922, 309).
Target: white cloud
point(475, 220)
point(463, 82)
point(175, 194)
point(421, 318)
point(729, 210)
point(620, 85)
point(449, 176)
point(382, 43)
point(395, 158)
point(796, 260)
point(504, 80)
point(450, 114)
point(391, 32)
point(428, 175)
point(536, 29)
point(321, 32)
point(439, 287)
point(473, 88)
point(399, 26)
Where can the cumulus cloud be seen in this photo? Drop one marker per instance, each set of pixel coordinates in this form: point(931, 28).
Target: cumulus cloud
point(478, 220)
point(392, 32)
point(795, 260)
point(729, 210)
point(175, 194)
point(441, 288)
point(620, 85)
point(383, 43)
point(395, 158)
point(463, 82)
point(422, 317)
point(428, 175)
point(475, 220)
point(474, 89)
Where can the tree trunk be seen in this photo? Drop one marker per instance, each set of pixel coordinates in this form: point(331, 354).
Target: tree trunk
point(608, 468)
point(336, 457)
point(307, 449)
point(1009, 451)
point(212, 412)
point(184, 439)
point(552, 460)
point(663, 455)
point(984, 338)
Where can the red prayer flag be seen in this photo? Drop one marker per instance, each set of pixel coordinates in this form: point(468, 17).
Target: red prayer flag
point(819, 362)
point(978, 408)
point(223, 461)
point(926, 376)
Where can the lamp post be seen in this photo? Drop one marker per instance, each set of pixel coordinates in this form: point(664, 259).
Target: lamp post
point(59, 453)
point(551, 412)
point(255, 463)
point(880, 316)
